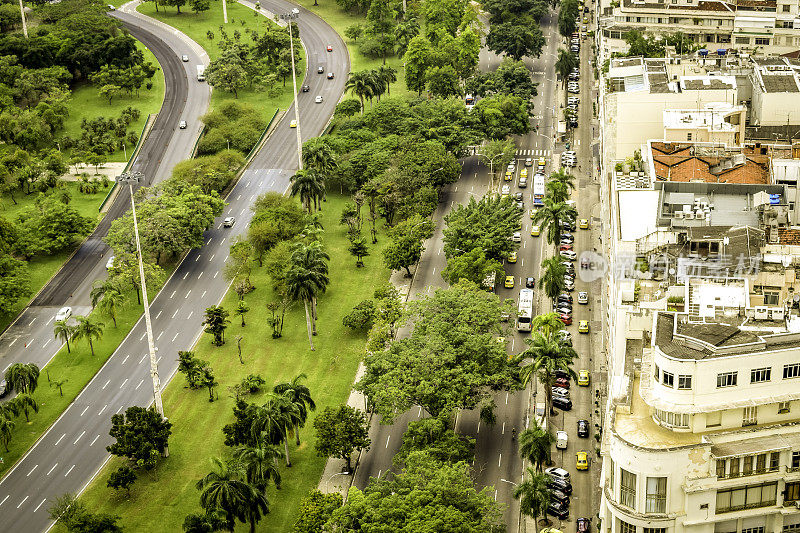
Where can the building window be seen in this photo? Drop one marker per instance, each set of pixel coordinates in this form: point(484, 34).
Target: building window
point(762, 40)
point(627, 488)
point(792, 494)
point(656, 495)
point(656, 373)
point(726, 379)
point(668, 379)
point(688, 136)
point(747, 466)
point(774, 461)
point(757, 529)
point(760, 375)
point(611, 476)
point(749, 416)
point(771, 298)
point(721, 468)
point(747, 497)
point(795, 459)
point(743, 40)
point(761, 463)
point(685, 382)
point(784, 407)
point(655, 530)
point(676, 420)
point(787, 8)
point(734, 471)
point(791, 371)
point(625, 527)
point(790, 528)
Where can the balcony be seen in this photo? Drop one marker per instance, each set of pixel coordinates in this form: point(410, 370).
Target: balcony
point(756, 505)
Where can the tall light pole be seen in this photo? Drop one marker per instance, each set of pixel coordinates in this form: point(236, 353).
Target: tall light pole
point(288, 17)
point(130, 178)
point(24, 22)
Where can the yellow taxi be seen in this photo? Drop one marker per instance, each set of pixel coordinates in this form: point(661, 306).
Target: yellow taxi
point(535, 231)
point(509, 282)
point(584, 223)
point(293, 123)
point(512, 257)
point(509, 175)
point(542, 162)
point(533, 214)
point(583, 378)
point(583, 326)
point(581, 461)
point(586, 20)
point(523, 173)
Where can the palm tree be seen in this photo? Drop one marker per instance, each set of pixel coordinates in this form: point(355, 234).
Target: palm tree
point(362, 85)
point(6, 430)
point(561, 175)
point(63, 332)
point(534, 496)
point(24, 403)
point(548, 324)
point(273, 420)
point(318, 155)
point(387, 75)
point(534, 445)
point(309, 185)
point(307, 277)
point(403, 33)
point(260, 463)
point(113, 301)
point(550, 216)
point(552, 280)
point(88, 329)
point(557, 191)
point(98, 291)
point(23, 378)
point(223, 490)
point(565, 63)
point(300, 395)
point(546, 354)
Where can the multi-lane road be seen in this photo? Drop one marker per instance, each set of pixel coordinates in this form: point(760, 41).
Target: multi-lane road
point(73, 449)
point(497, 462)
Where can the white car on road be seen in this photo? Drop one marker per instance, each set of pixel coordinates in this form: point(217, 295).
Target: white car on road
point(561, 440)
point(63, 313)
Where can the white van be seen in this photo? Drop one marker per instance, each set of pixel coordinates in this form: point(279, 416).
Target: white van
point(561, 440)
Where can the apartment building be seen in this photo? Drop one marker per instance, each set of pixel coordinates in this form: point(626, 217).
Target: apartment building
point(776, 91)
point(763, 26)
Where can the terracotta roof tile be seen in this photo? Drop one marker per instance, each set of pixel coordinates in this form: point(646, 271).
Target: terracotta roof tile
point(789, 236)
point(674, 162)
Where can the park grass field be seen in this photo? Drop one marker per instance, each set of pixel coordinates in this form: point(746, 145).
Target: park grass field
point(160, 502)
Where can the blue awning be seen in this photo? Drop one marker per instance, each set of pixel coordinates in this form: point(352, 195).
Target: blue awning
point(721, 51)
point(702, 52)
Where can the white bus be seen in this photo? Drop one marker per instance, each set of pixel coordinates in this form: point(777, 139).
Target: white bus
point(525, 312)
point(538, 190)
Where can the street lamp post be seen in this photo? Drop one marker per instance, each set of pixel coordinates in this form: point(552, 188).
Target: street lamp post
point(130, 178)
point(288, 17)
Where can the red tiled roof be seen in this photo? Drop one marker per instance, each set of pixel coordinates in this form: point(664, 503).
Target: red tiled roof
point(674, 162)
point(789, 236)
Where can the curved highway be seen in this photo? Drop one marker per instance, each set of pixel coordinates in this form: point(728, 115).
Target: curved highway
point(72, 451)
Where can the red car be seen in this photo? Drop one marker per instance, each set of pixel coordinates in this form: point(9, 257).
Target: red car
point(330, 48)
point(566, 319)
point(564, 247)
point(561, 382)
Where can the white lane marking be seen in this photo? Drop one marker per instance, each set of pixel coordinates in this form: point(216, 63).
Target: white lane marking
point(123, 383)
point(94, 440)
point(499, 460)
point(84, 410)
point(173, 294)
point(159, 335)
point(238, 197)
point(215, 275)
point(79, 437)
point(139, 385)
point(51, 470)
point(200, 275)
point(59, 439)
point(184, 276)
point(203, 295)
point(434, 271)
point(23, 501)
point(212, 257)
point(175, 337)
point(175, 313)
point(70, 470)
point(120, 409)
point(243, 212)
point(37, 507)
point(32, 321)
point(419, 411)
point(143, 336)
point(103, 409)
point(208, 241)
point(379, 473)
point(196, 259)
point(126, 358)
point(142, 359)
point(4, 499)
point(188, 293)
point(479, 426)
point(51, 319)
point(45, 344)
point(12, 342)
point(223, 241)
point(159, 359)
point(387, 440)
point(503, 430)
point(32, 469)
point(506, 398)
point(106, 385)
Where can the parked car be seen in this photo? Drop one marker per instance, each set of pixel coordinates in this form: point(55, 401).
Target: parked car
point(568, 254)
point(567, 238)
point(566, 336)
point(583, 326)
point(512, 257)
point(583, 297)
point(110, 263)
point(559, 496)
point(566, 319)
point(564, 247)
point(559, 484)
point(530, 282)
point(559, 402)
point(528, 162)
point(505, 189)
point(560, 391)
point(583, 428)
point(558, 509)
point(564, 297)
point(523, 182)
point(583, 525)
point(562, 382)
point(557, 473)
point(4, 388)
point(561, 440)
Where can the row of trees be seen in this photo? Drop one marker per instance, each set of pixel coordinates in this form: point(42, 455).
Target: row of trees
point(514, 27)
point(550, 216)
point(22, 379)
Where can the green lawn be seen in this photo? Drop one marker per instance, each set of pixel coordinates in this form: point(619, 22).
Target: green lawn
point(161, 504)
point(42, 268)
point(340, 20)
point(196, 26)
point(86, 103)
point(77, 367)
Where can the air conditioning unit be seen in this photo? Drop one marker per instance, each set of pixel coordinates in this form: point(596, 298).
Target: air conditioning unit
point(776, 313)
point(761, 313)
point(700, 215)
point(679, 214)
point(689, 215)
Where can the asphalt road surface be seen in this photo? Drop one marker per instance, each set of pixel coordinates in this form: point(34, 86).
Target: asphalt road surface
point(30, 338)
point(73, 450)
point(497, 461)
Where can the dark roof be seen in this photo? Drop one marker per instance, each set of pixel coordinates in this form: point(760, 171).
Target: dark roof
point(779, 83)
point(715, 334)
point(706, 84)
